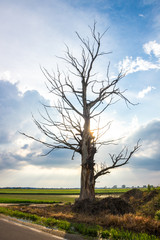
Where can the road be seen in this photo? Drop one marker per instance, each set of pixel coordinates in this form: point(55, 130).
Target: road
point(10, 230)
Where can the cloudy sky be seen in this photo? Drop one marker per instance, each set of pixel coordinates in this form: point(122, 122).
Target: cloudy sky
point(32, 34)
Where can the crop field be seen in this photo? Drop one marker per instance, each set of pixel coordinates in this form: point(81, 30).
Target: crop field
point(40, 191)
point(60, 191)
point(48, 195)
point(20, 195)
point(36, 198)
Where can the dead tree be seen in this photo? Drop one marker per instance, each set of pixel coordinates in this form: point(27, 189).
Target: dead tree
point(81, 98)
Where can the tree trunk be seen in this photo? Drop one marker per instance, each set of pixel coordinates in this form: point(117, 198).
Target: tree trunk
point(87, 172)
point(87, 183)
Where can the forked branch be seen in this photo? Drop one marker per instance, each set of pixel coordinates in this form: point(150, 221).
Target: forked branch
point(117, 160)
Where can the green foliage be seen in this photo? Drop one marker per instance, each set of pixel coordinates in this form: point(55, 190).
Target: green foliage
point(49, 222)
point(157, 215)
point(64, 225)
point(149, 188)
point(18, 214)
point(83, 229)
point(105, 234)
point(127, 235)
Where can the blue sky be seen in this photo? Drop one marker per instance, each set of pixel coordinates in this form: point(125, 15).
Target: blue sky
point(33, 33)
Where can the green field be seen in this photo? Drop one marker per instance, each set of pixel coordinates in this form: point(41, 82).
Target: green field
point(30, 198)
point(59, 191)
point(40, 191)
point(20, 195)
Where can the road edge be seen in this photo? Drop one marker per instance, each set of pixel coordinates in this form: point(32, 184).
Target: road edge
point(55, 232)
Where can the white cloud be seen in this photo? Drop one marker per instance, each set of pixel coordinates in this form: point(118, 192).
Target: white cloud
point(148, 156)
point(36, 176)
point(141, 15)
point(152, 47)
point(139, 64)
point(19, 160)
point(46, 30)
point(131, 65)
point(142, 93)
point(6, 75)
point(46, 26)
point(130, 177)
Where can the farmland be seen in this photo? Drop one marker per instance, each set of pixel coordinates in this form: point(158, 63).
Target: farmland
point(59, 191)
point(142, 223)
point(49, 195)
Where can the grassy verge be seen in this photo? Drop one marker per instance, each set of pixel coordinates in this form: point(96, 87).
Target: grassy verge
point(87, 230)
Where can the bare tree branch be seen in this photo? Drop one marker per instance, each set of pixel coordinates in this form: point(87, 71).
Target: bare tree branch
point(81, 96)
point(118, 160)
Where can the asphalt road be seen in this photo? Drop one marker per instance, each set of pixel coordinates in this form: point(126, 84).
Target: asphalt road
point(10, 230)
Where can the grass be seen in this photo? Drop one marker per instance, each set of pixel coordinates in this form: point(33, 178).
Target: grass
point(59, 191)
point(40, 191)
point(87, 230)
point(21, 195)
point(23, 198)
point(47, 195)
point(111, 227)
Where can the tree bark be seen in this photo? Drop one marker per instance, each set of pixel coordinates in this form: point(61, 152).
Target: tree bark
point(87, 171)
point(87, 183)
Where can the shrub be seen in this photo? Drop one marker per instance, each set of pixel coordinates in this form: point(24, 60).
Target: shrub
point(149, 188)
point(105, 234)
point(157, 215)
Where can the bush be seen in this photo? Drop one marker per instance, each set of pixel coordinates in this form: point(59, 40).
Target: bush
point(149, 188)
point(157, 215)
point(105, 234)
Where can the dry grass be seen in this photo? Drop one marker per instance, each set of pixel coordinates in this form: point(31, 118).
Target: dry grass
point(130, 222)
point(145, 204)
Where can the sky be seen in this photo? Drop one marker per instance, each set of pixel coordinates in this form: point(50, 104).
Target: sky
point(33, 34)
